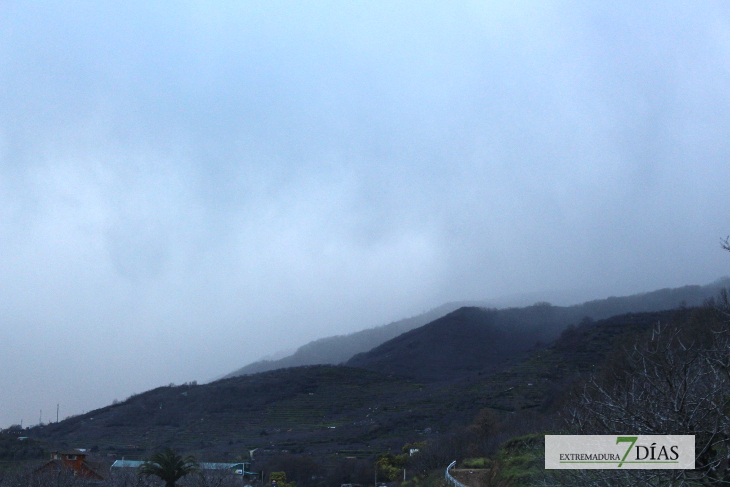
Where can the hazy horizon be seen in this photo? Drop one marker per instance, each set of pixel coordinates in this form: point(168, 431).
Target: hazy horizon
point(185, 189)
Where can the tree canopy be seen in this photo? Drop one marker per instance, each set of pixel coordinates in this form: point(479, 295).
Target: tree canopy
point(168, 466)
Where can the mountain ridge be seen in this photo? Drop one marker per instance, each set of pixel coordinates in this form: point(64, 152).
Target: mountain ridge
point(338, 410)
point(341, 348)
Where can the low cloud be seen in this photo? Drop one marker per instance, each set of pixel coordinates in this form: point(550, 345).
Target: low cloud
point(184, 190)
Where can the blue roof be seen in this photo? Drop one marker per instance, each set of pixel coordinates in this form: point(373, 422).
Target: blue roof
point(203, 466)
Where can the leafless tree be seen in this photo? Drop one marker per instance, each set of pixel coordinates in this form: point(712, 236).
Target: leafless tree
point(30, 476)
point(124, 477)
point(214, 478)
point(675, 381)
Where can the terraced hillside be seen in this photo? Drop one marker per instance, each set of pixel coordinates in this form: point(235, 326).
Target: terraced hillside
point(318, 409)
point(338, 410)
point(541, 377)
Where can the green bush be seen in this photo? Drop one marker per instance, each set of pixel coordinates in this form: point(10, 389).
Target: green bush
point(476, 463)
point(519, 461)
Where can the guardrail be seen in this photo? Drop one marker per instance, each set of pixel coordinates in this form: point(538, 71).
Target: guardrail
point(451, 480)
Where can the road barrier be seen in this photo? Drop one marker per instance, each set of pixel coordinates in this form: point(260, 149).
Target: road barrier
point(451, 480)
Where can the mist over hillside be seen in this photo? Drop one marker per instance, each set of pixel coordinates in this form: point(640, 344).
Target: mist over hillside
point(394, 394)
point(467, 340)
point(188, 187)
point(341, 348)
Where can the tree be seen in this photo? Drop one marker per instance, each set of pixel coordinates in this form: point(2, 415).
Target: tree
point(302, 470)
point(279, 478)
point(168, 466)
point(676, 380)
point(392, 465)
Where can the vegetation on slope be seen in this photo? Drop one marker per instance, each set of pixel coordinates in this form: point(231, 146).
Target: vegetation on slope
point(339, 418)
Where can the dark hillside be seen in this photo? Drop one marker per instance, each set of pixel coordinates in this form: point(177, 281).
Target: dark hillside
point(471, 340)
point(467, 340)
point(340, 349)
point(542, 376)
point(338, 411)
point(320, 410)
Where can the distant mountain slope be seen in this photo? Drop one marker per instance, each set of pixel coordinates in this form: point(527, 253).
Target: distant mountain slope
point(335, 411)
point(466, 340)
point(339, 349)
point(471, 340)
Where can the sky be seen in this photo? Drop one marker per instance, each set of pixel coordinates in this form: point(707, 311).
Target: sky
point(188, 186)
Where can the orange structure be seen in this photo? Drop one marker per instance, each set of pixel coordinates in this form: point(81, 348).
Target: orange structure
point(74, 460)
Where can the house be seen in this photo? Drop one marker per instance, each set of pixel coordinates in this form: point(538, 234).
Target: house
point(74, 461)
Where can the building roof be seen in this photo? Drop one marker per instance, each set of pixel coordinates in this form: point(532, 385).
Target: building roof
point(126, 464)
point(84, 469)
point(70, 452)
point(203, 466)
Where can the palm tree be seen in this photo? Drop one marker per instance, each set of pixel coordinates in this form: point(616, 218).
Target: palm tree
point(168, 466)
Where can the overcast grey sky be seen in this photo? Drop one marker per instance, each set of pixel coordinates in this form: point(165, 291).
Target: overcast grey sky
point(187, 186)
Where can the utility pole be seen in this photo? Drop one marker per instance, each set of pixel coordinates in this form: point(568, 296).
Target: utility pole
point(57, 406)
point(40, 417)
